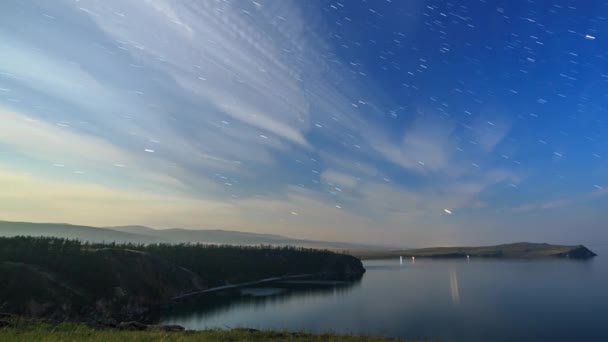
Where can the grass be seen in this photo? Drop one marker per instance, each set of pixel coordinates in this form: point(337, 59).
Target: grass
point(36, 331)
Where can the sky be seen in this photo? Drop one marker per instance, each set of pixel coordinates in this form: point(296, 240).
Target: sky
point(412, 123)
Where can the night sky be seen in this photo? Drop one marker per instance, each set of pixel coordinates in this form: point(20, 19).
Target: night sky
point(395, 122)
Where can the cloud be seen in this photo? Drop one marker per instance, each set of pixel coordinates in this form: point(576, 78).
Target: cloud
point(489, 129)
point(218, 56)
point(80, 153)
point(43, 199)
point(261, 121)
point(26, 64)
point(208, 98)
point(353, 166)
point(220, 114)
point(566, 201)
point(423, 147)
point(27, 197)
point(336, 178)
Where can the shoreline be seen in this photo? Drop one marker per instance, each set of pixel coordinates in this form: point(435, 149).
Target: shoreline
point(238, 285)
point(254, 282)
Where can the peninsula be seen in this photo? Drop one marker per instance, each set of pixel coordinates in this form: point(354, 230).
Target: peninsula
point(519, 250)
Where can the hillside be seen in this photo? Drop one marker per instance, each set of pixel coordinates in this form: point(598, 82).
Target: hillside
point(524, 250)
point(66, 279)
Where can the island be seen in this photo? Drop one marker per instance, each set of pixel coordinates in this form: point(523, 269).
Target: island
point(519, 250)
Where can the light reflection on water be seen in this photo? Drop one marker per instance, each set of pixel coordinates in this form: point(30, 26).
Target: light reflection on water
point(454, 287)
point(453, 300)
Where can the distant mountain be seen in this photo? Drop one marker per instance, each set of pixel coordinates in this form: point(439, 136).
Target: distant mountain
point(143, 234)
point(205, 236)
point(62, 230)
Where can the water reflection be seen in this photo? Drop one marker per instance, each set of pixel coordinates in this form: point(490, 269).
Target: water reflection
point(454, 287)
point(457, 300)
point(209, 305)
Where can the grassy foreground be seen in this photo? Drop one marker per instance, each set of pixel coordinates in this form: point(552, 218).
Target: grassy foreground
point(78, 332)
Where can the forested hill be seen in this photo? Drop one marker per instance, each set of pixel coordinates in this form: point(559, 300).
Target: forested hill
point(68, 279)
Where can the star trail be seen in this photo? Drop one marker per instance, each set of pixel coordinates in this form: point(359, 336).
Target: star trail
point(423, 122)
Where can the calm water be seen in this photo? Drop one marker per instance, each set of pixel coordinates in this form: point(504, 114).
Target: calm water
point(450, 300)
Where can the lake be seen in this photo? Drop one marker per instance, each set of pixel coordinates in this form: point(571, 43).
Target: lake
point(450, 300)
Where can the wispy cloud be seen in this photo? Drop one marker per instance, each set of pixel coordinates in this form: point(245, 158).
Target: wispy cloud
point(563, 202)
point(225, 114)
point(424, 146)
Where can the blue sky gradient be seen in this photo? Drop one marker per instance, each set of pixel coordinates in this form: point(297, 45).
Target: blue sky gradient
point(408, 123)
